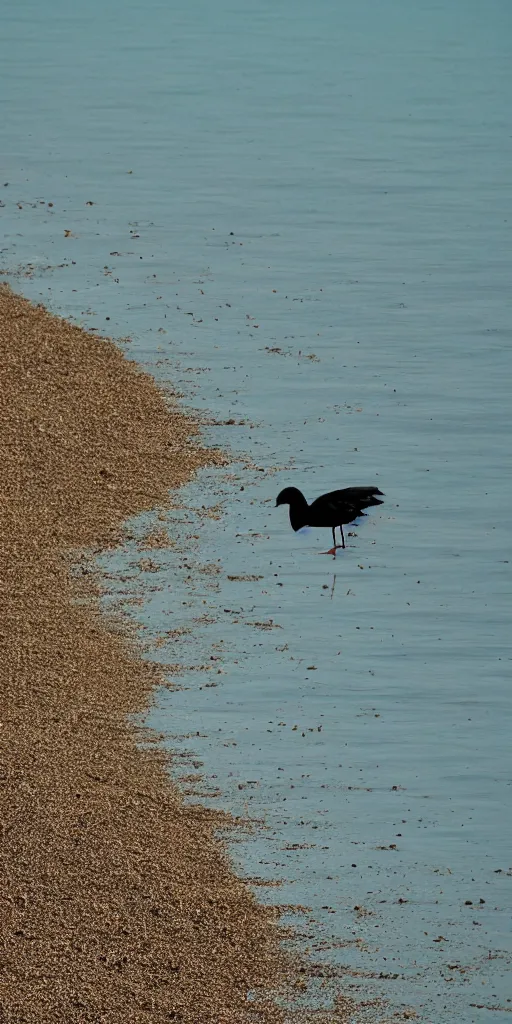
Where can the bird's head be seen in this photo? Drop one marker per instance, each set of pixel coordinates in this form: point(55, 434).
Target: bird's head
point(289, 496)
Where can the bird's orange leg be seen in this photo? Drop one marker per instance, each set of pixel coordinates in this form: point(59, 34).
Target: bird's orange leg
point(332, 551)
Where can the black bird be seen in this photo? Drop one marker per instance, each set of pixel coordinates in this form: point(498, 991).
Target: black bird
point(333, 509)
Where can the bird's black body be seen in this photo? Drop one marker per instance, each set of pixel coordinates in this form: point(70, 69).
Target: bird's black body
point(334, 509)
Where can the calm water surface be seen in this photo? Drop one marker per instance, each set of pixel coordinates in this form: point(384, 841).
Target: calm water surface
point(302, 213)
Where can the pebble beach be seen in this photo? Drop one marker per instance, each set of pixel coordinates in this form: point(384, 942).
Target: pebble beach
point(118, 902)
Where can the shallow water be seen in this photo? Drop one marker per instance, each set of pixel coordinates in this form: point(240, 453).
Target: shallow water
point(303, 214)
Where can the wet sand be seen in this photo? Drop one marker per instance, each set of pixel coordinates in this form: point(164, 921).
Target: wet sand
point(119, 903)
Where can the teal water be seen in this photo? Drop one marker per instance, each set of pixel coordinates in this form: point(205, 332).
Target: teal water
point(302, 214)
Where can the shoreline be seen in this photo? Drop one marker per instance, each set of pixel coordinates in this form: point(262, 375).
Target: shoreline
point(121, 902)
